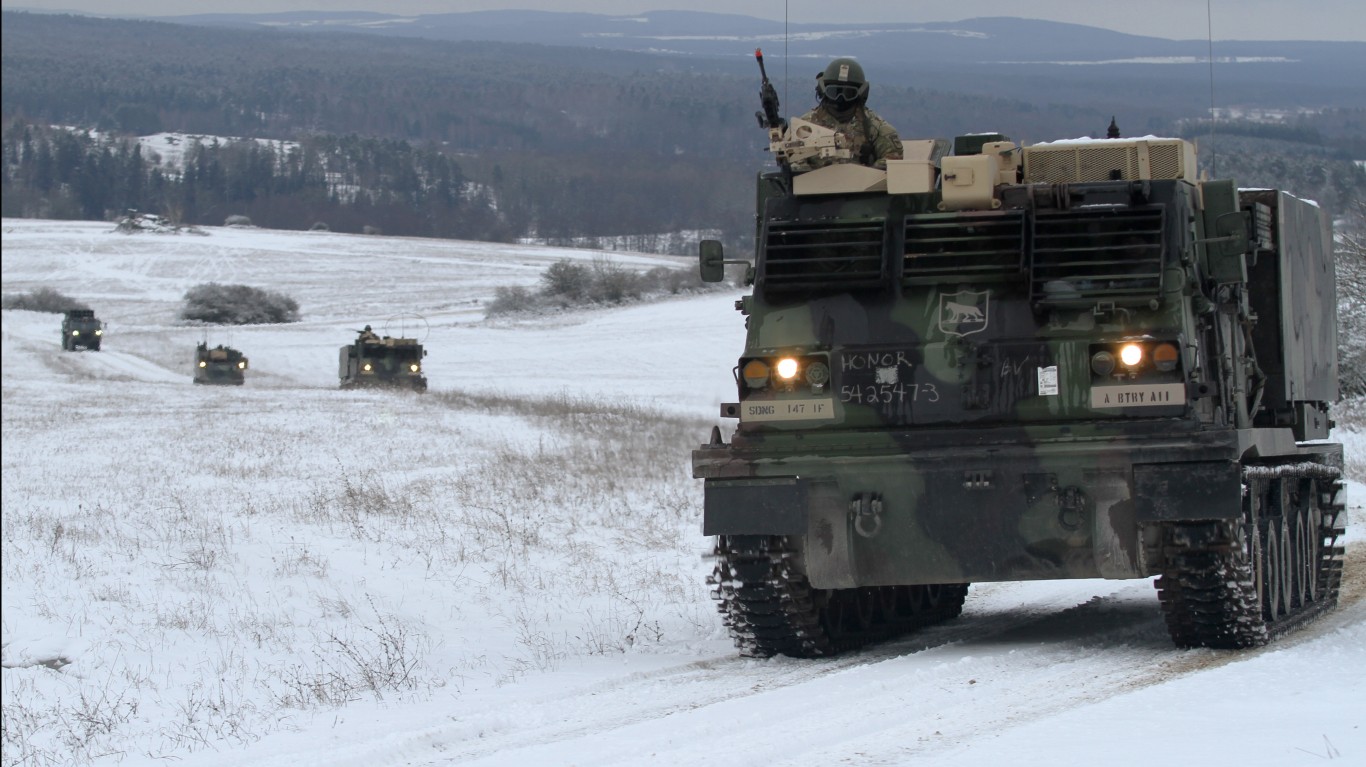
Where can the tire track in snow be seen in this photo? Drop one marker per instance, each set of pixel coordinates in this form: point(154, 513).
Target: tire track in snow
point(1057, 635)
point(895, 702)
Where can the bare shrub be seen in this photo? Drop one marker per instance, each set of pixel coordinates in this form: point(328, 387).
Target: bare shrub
point(42, 300)
point(76, 731)
point(619, 628)
point(566, 284)
point(662, 279)
point(546, 651)
point(512, 300)
point(566, 278)
point(613, 283)
point(237, 305)
point(386, 656)
point(373, 510)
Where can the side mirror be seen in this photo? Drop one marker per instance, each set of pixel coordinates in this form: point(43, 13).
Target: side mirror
point(712, 260)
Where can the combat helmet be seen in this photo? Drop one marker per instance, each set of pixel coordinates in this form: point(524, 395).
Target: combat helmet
point(842, 85)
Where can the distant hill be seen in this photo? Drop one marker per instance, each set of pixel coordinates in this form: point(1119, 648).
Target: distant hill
point(1013, 57)
point(579, 125)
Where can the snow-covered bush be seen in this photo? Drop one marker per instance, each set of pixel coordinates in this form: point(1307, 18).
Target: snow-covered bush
point(566, 284)
point(237, 305)
point(42, 300)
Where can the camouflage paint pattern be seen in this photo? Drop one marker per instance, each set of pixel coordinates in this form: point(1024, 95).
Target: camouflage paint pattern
point(863, 128)
point(947, 422)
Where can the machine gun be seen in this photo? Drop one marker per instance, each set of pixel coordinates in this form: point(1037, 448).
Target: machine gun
point(801, 141)
point(770, 117)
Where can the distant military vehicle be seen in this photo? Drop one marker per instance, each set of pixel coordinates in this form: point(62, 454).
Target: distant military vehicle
point(375, 361)
point(1005, 363)
point(219, 365)
point(80, 330)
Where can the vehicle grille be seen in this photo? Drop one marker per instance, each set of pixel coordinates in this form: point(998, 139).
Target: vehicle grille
point(830, 255)
point(1081, 257)
point(964, 246)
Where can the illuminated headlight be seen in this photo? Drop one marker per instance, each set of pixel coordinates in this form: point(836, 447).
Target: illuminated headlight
point(1165, 357)
point(786, 373)
point(366, 367)
point(242, 365)
point(413, 367)
point(755, 374)
point(99, 332)
point(203, 364)
point(1102, 363)
point(75, 332)
point(1131, 355)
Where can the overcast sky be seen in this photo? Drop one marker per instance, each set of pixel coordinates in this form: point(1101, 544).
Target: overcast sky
point(1177, 19)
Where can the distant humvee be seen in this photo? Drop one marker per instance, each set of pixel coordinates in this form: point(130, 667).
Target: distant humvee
point(220, 365)
point(80, 330)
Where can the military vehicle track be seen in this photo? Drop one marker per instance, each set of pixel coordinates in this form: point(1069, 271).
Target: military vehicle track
point(771, 608)
point(1241, 583)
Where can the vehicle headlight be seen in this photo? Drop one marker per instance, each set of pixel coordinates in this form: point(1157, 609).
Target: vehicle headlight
point(203, 364)
point(75, 332)
point(413, 367)
point(242, 365)
point(1131, 355)
point(366, 367)
point(786, 373)
point(99, 332)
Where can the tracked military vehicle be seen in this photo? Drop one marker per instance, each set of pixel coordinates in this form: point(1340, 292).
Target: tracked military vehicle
point(381, 361)
point(81, 330)
point(220, 365)
point(1007, 363)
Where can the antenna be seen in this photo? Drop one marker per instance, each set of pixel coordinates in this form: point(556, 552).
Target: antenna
point(785, 36)
point(1213, 115)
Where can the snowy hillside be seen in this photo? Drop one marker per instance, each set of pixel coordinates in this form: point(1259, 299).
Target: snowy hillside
point(508, 569)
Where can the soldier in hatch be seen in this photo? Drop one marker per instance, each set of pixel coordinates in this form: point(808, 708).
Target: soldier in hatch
point(843, 94)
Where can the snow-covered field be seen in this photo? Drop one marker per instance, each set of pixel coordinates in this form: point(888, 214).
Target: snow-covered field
point(507, 570)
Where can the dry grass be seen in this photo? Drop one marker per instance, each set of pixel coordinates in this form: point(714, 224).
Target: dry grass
point(567, 524)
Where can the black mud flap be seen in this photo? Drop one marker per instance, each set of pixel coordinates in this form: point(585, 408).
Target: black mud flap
point(1171, 492)
point(768, 506)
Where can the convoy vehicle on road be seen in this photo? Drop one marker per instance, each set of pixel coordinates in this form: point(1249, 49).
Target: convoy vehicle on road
point(375, 361)
point(1000, 363)
point(219, 365)
point(81, 330)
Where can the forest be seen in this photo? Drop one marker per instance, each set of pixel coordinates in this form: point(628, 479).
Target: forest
point(491, 141)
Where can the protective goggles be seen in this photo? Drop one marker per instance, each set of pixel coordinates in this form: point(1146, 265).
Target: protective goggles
point(840, 92)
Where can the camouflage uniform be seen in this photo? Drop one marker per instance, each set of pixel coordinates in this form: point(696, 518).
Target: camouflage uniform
point(873, 140)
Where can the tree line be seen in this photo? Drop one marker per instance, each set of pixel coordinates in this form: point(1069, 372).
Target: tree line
point(348, 183)
point(480, 140)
